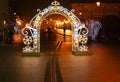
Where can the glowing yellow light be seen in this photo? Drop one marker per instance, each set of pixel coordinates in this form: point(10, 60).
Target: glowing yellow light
point(68, 32)
point(98, 3)
point(50, 19)
point(66, 22)
point(19, 23)
point(61, 23)
point(4, 22)
point(14, 13)
point(80, 13)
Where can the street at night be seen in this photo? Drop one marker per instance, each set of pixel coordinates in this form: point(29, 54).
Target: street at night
point(102, 65)
point(59, 41)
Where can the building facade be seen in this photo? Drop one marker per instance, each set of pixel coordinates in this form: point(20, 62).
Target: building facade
point(93, 11)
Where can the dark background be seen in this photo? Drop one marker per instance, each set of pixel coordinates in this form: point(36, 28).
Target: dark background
point(28, 7)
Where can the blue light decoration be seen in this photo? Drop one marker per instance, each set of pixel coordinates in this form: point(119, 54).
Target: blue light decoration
point(93, 27)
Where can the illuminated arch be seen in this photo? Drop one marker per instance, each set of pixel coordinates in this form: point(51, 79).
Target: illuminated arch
point(32, 31)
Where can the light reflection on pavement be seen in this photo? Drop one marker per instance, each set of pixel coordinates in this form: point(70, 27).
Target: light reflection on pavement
point(102, 66)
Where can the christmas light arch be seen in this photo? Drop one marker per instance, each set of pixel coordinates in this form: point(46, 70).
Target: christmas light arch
point(31, 31)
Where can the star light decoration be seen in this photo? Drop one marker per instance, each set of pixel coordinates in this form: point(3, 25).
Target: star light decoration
point(32, 30)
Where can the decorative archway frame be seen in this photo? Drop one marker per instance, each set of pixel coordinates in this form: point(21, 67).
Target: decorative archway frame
point(31, 31)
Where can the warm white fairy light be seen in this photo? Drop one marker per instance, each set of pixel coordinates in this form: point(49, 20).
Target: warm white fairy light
point(34, 27)
point(28, 49)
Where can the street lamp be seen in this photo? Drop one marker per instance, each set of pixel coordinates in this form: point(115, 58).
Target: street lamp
point(4, 22)
point(14, 13)
point(98, 3)
point(80, 13)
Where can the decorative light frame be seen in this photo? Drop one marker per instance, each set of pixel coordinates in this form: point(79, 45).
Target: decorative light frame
point(32, 29)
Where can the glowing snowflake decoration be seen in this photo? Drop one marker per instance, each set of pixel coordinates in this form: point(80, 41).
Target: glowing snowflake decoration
point(27, 40)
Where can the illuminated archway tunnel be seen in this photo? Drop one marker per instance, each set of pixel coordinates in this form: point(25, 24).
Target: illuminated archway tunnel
point(36, 24)
point(57, 23)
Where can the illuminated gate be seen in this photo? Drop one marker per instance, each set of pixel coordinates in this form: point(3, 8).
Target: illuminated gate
point(31, 31)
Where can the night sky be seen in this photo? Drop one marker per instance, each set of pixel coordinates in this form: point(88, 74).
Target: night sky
point(28, 7)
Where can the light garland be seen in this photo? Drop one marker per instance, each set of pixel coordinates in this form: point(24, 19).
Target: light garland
point(35, 23)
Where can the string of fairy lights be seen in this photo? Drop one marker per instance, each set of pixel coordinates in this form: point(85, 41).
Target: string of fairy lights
point(31, 31)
